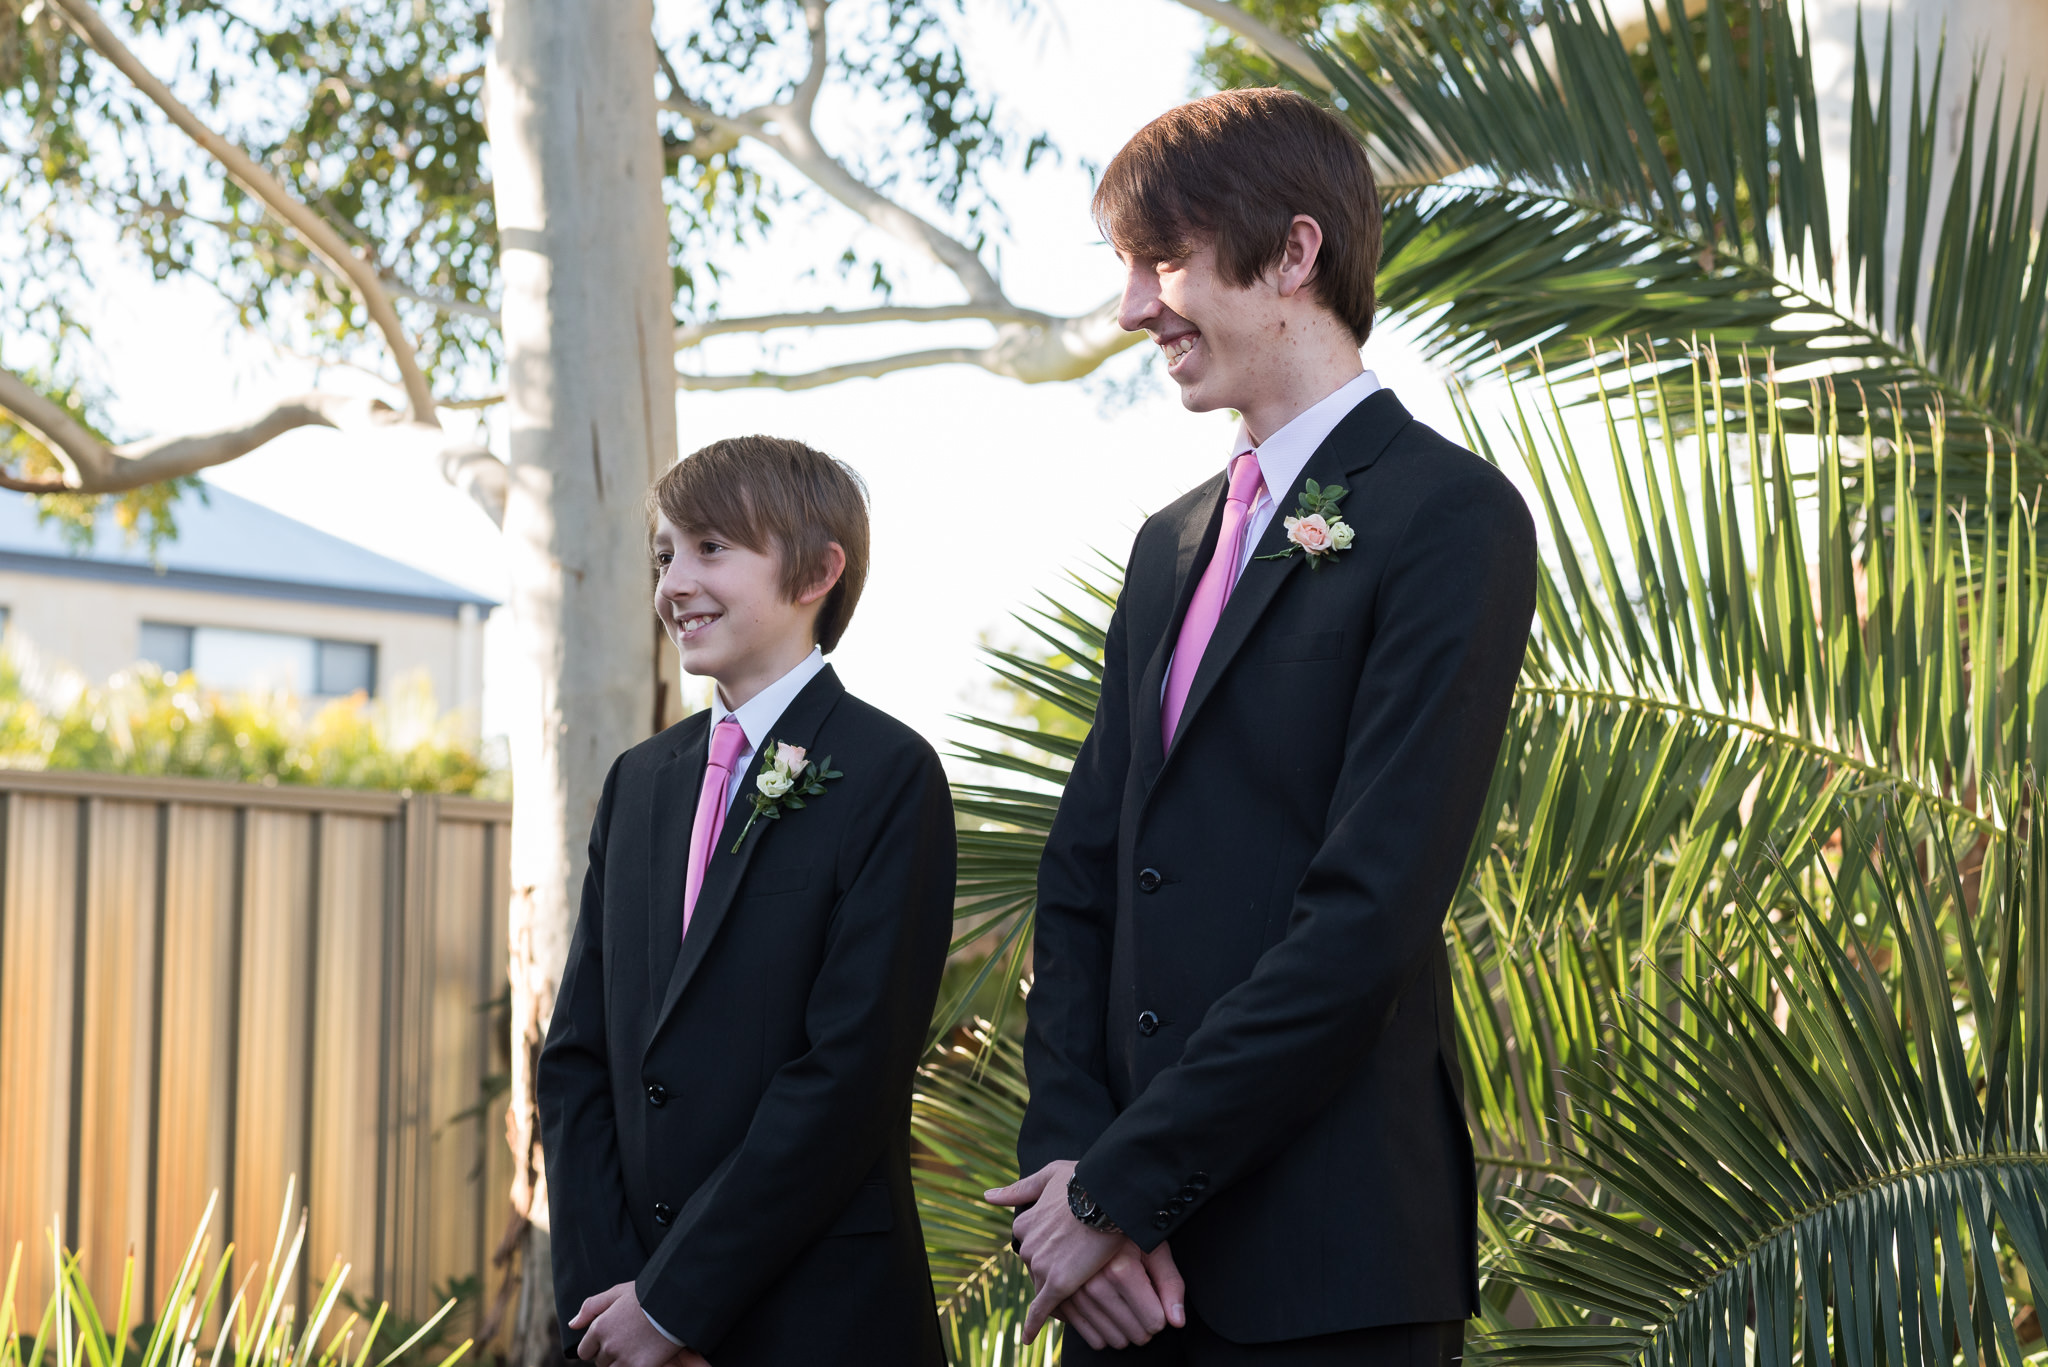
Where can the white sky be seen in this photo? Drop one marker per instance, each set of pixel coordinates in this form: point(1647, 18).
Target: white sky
point(984, 490)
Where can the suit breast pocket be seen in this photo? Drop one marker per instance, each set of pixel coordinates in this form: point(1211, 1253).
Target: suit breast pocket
point(1305, 646)
point(767, 879)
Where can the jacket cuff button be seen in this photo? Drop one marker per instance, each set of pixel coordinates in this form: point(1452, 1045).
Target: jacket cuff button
point(1162, 1219)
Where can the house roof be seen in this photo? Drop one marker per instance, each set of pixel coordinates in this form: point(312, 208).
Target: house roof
point(227, 544)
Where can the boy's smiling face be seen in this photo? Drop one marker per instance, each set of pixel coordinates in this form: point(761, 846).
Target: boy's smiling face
point(722, 604)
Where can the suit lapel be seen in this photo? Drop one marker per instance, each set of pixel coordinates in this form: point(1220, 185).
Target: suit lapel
point(1197, 543)
point(671, 814)
point(1352, 446)
point(798, 725)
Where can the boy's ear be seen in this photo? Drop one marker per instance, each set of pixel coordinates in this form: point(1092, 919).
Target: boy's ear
point(1298, 254)
point(835, 566)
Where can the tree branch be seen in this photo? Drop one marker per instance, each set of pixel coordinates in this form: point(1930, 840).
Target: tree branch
point(291, 256)
point(1057, 349)
point(1267, 39)
point(692, 334)
point(813, 379)
point(93, 467)
point(318, 233)
point(796, 141)
point(805, 98)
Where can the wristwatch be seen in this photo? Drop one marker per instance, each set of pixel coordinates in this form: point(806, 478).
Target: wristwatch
point(1087, 1210)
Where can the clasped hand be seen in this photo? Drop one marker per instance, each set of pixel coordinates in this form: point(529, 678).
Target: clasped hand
point(617, 1333)
point(1101, 1284)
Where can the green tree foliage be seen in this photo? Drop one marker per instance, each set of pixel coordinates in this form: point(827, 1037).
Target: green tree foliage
point(373, 115)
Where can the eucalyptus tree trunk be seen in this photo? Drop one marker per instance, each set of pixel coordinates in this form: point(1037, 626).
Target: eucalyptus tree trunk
point(588, 330)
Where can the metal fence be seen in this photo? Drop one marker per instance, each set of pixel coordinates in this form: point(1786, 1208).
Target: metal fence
point(215, 987)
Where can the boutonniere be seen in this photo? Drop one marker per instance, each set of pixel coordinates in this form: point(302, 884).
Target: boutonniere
point(785, 780)
point(1317, 526)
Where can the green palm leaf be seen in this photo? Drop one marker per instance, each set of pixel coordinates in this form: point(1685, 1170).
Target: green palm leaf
point(965, 1114)
point(1577, 212)
point(1833, 1159)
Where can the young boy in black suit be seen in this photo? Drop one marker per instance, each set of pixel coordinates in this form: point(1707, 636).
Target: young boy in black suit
point(725, 1088)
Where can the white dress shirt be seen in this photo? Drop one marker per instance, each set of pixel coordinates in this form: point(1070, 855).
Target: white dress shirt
point(757, 717)
point(1284, 455)
point(1282, 458)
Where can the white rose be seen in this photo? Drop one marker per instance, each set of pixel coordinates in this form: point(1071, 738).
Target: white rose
point(1340, 536)
point(773, 783)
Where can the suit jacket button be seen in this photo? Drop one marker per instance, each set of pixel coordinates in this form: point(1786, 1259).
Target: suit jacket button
point(657, 1095)
point(663, 1213)
point(1148, 1024)
point(1162, 1219)
point(1199, 1182)
point(1148, 880)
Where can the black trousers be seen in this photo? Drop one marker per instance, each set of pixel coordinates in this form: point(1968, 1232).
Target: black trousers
point(1386, 1345)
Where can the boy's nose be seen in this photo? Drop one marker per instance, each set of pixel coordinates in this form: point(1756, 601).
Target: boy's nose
point(1140, 304)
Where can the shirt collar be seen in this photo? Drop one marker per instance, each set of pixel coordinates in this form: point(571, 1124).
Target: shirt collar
point(758, 714)
point(1285, 454)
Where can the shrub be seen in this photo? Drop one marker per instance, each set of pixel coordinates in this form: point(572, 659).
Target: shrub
point(147, 721)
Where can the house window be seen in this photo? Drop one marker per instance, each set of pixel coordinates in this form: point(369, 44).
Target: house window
point(345, 667)
point(237, 661)
point(167, 647)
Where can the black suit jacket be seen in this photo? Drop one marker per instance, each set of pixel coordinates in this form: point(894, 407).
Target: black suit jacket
point(726, 1117)
point(1242, 1023)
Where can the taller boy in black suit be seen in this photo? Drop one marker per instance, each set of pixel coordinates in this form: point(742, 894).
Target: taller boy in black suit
point(1240, 1034)
point(725, 1088)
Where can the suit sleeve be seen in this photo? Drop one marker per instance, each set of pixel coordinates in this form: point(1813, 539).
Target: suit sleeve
point(827, 1116)
point(1421, 742)
point(1065, 1053)
point(592, 1240)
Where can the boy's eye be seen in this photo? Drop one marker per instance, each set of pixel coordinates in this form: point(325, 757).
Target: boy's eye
point(710, 548)
point(663, 558)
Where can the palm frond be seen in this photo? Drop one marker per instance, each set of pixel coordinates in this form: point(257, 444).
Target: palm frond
point(1725, 674)
point(964, 1116)
point(1580, 213)
point(1833, 1159)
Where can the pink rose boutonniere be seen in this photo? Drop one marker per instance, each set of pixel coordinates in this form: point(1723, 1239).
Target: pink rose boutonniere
point(1317, 528)
point(787, 777)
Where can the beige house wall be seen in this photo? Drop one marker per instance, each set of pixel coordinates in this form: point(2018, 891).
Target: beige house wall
point(95, 627)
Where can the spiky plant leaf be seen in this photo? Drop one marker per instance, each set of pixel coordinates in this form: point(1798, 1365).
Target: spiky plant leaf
point(1535, 199)
point(1832, 1160)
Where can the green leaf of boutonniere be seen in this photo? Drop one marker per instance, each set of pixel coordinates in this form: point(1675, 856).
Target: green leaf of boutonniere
point(779, 787)
point(1317, 527)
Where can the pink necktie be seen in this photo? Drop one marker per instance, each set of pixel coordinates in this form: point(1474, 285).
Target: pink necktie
point(728, 742)
point(1205, 609)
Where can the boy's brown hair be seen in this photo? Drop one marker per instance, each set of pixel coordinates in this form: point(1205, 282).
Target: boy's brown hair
point(1236, 167)
point(780, 497)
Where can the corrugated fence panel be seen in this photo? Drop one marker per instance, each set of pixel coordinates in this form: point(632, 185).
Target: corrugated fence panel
point(213, 987)
point(460, 998)
point(496, 1051)
point(37, 978)
point(347, 1047)
point(270, 1073)
point(120, 1041)
point(202, 893)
